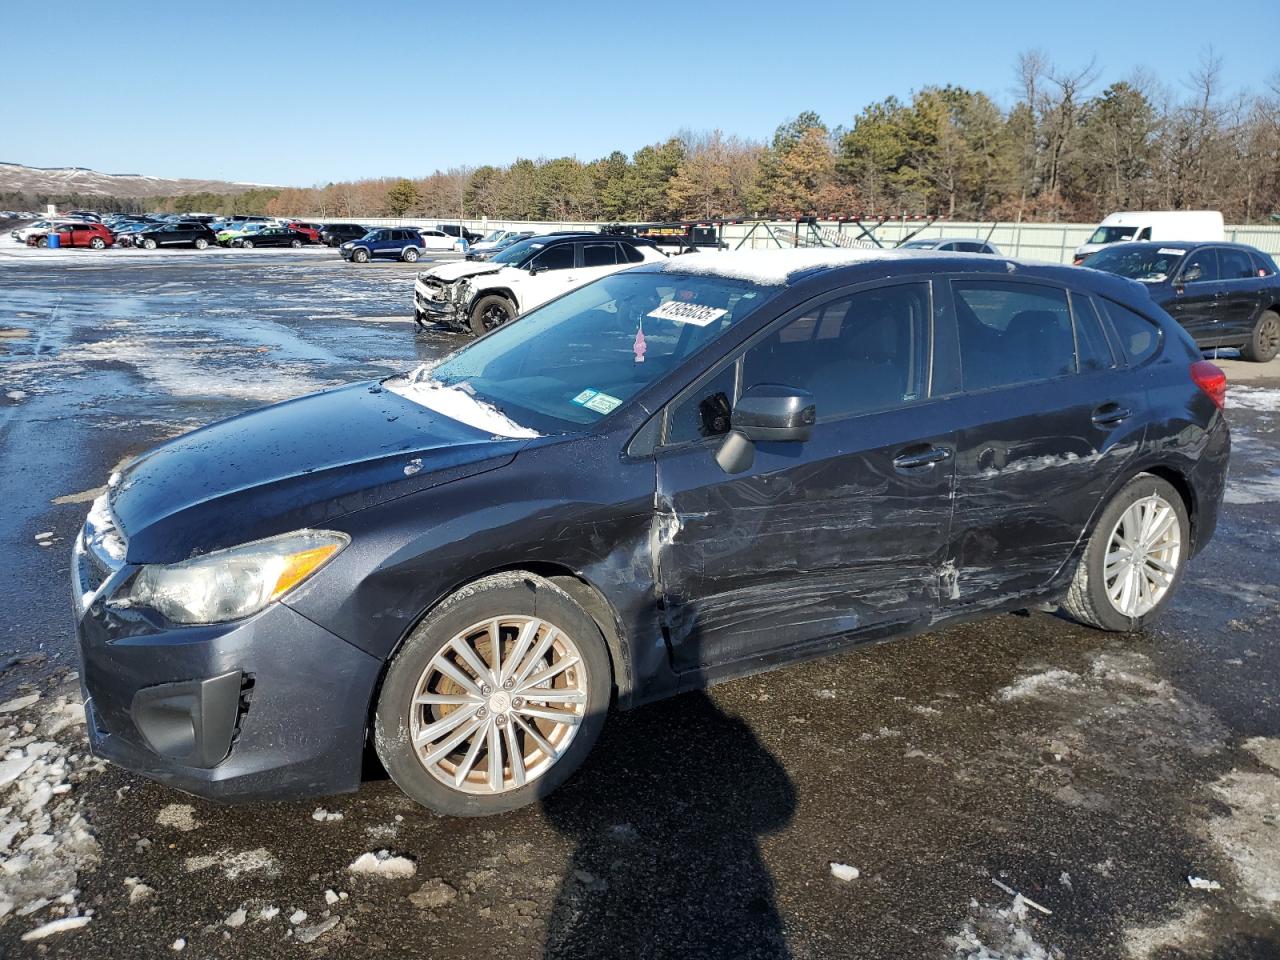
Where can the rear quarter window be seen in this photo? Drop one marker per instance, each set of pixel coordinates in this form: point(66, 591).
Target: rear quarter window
point(1138, 337)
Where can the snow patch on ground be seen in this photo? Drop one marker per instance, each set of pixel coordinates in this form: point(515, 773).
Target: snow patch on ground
point(235, 864)
point(383, 864)
point(1038, 684)
point(1266, 399)
point(1185, 931)
point(1000, 933)
point(1250, 835)
point(45, 841)
point(179, 816)
point(457, 404)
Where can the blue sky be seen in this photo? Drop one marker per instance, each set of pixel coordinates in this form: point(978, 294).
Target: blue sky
point(303, 93)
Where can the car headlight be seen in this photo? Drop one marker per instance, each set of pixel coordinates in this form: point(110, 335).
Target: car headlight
point(232, 583)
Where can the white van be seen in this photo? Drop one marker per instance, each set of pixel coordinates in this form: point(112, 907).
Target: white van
point(1205, 225)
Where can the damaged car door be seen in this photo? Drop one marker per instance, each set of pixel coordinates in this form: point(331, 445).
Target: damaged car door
point(843, 533)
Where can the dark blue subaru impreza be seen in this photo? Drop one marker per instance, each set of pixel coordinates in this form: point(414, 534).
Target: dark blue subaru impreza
point(677, 474)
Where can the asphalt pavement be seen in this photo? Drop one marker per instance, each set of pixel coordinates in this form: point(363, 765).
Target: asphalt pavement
point(1021, 785)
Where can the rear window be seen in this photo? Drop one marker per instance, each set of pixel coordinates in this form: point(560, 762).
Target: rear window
point(599, 254)
point(1265, 264)
point(633, 255)
point(1091, 342)
point(1138, 337)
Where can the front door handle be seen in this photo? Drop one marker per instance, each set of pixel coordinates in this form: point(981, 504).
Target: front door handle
point(921, 458)
point(1110, 413)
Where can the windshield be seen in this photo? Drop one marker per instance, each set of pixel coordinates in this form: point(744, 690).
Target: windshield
point(517, 252)
point(1147, 264)
point(1113, 234)
point(493, 236)
point(580, 357)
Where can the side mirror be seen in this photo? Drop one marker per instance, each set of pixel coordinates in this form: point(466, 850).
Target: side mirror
point(535, 269)
point(765, 412)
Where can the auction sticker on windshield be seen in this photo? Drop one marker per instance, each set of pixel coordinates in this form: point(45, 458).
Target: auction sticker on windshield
point(695, 313)
point(597, 401)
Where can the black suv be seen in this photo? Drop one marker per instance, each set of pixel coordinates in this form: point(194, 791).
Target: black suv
point(336, 234)
point(690, 470)
point(183, 233)
point(1224, 294)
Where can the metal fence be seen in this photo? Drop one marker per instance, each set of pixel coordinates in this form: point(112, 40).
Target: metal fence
point(1052, 242)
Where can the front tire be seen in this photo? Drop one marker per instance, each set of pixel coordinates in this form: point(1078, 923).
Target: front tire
point(1133, 562)
point(491, 312)
point(360, 256)
point(410, 255)
point(1265, 342)
point(295, 244)
point(495, 699)
point(42, 241)
point(148, 244)
point(247, 244)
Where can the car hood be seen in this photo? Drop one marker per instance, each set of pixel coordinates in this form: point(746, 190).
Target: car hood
point(292, 465)
point(457, 269)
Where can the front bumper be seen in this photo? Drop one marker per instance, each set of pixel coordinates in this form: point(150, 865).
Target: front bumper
point(268, 708)
point(440, 311)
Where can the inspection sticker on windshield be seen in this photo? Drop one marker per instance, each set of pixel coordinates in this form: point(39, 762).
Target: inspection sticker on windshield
point(597, 401)
point(694, 313)
point(1173, 250)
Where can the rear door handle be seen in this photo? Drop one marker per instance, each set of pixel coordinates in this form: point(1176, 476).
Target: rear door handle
point(1110, 413)
point(921, 458)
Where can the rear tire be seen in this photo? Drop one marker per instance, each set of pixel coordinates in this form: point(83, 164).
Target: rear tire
point(490, 313)
point(295, 244)
point(201, 243)
point(410, 255)
point(42, 241)
point(1265, 342)
point(97, 243)
point(1123, 582)
point(247, 244)
point(540, 627)
point(360, 256)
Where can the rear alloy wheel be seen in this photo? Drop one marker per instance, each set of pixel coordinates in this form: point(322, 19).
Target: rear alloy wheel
point(410, 255)
point(295, 244)
point(148, 244)
point(97, 243)
point(495, 699)
point(1133, 562)
point(201, 243)
point(360, 256)
point(1265, 342)
point(489, 313)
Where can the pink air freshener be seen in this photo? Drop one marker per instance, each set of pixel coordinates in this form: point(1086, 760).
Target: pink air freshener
point(640, 346)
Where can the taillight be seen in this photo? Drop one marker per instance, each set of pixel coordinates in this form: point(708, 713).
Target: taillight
point(1211, 380)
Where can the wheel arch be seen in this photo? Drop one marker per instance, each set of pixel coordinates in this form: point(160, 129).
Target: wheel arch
point(506, 292)
point(586, 594)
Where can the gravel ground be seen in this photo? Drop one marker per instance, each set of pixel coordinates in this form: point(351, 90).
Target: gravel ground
point(1020, 787)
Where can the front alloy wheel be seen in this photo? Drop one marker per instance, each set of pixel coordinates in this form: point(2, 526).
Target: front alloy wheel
point(495, 699)
point(1265, 342)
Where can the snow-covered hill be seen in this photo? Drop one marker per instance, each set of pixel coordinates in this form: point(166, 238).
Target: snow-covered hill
point(23, 179)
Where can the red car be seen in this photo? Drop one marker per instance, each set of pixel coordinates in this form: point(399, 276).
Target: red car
point(312, 230)
point(93, 235)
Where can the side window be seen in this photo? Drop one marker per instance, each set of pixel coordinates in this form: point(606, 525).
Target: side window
point(632, 254)
point(555, 258)
point(1138, 337)
point(1144, 234)
point(1265, 265)
point(856, 354)
point(704, 412)
point(969, 246)
point(1200, 266)
point(1012, 333)
point(1235, 264)
point(599, 254)
point(1091, 341)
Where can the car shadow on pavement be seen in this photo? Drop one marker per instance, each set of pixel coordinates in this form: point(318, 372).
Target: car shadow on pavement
point(667, 816)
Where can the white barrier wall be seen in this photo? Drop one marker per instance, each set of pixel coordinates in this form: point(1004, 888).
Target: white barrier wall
point(1052, 242)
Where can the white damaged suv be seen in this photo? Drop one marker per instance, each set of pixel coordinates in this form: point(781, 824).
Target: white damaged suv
point(478, 296)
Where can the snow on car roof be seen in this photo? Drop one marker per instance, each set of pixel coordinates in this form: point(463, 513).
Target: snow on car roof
point(771, 268)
